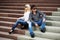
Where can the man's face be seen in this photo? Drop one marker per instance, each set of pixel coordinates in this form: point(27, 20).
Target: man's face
point(34, 9)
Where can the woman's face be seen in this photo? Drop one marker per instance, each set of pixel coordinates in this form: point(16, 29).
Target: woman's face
point(27, 8)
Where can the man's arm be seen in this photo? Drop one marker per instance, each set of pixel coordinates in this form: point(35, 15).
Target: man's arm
point(30, 18)
point(43, 16)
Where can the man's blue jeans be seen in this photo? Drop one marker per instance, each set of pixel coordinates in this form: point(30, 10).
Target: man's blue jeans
point(40, 23)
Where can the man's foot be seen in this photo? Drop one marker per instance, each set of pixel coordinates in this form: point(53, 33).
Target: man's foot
point(43, 30)
point(32, 34)
point(11, 31)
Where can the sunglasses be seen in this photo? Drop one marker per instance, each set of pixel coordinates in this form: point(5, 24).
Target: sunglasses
point(34, 8)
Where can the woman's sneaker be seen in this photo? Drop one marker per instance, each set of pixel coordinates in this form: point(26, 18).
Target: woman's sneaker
point(11, 31)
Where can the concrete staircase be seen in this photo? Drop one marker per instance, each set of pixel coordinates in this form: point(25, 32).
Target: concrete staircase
point(10, 10)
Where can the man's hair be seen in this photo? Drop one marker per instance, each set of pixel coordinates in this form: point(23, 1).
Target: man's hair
point(33, 6)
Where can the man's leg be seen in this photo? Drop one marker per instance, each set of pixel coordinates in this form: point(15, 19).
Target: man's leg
point(43, 28)
point(31, 30)
point(42, 25)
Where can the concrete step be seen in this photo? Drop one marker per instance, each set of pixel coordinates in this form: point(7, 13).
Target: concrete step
point(53, 18)
point(58, 9)
point(29, 38)
point(1, 38)
point(37, 4)
point(56, 13)
point(7, 29)
point(20, 37)
point(53, 29)
point(22, 8)
point(52, 23)
point(10, 19)
point(9, 24)
point(21, 11)
point(16, 15)
point(34, 1)
point(14, 18)
point(6, 35)
point(19, 31)
point(50, 35)
point(49, 23)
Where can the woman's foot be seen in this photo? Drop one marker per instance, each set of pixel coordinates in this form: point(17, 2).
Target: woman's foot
point(11, 31)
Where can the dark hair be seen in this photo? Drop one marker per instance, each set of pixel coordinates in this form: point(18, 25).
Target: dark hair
point(33, 6)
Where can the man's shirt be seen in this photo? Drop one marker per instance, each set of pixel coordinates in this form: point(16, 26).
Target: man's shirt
point(39, 15)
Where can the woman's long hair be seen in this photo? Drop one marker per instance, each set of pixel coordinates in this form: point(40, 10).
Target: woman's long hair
point(27, 8)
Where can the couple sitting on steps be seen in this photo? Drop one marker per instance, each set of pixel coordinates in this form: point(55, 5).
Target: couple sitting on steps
point(32, 17)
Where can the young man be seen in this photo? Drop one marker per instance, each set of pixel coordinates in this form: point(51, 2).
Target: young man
point(36, 18)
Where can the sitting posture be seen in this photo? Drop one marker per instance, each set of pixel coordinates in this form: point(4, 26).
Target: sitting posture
point(22, 20)
point(36, 18)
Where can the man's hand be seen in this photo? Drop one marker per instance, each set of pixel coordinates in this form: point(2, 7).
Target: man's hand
point(36, 24)
point(44, 19)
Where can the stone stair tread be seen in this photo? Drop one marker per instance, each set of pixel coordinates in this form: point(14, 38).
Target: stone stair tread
point(32, 3)
point(50, 35)
point(23, 36)
point(58, 9)
point(1, 38)
point(46, 21)
point(19, 10)
point(53, 29)
point(7, 22)
point(9, 17)
point(14, 1)
point(23, 7)
point(6, 27)
point(52, 16)
point(55, 12)
point(46, 26)
point(52, 21)
point(44, 33)
point(22, 14)
point(12, 13)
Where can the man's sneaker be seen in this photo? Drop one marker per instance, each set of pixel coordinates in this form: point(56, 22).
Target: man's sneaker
point(32, 34)
point(11, 31)
point(43, 30)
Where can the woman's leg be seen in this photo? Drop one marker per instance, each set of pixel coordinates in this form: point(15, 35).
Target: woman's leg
point(15, 25)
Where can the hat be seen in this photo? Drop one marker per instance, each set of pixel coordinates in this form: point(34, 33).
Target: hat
point(27, 5)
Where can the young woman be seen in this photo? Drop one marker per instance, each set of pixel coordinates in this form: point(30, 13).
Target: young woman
point(22, 20)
